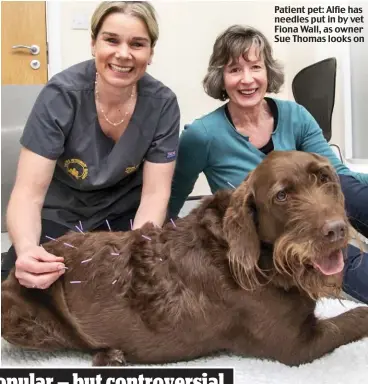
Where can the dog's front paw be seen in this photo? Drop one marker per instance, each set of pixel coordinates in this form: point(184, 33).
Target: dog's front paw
point(109, 357)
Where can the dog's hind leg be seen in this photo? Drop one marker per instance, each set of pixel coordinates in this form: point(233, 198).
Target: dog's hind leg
point(109, 357)
point(304, 342)
point(27, 321)
point(329, 334)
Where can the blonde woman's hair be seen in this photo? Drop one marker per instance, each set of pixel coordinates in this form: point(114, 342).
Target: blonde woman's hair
point(234, 42)
point(143, 10)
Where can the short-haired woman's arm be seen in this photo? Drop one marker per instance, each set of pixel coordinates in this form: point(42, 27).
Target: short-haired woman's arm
point(34, 266)
point(312, 140)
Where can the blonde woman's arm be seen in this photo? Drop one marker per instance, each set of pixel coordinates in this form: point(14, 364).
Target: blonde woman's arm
point(34, 266)
point(157, 178)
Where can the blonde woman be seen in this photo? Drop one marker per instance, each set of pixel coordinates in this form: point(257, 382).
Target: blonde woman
point(99, 146)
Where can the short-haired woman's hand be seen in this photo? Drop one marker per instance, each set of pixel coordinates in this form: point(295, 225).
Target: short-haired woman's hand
point(36, 268)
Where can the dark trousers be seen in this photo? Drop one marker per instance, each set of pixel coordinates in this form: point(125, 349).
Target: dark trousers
point(55, 230)
point(356, 265)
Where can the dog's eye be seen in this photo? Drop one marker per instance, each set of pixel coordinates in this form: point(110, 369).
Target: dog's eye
point(323, 177)
point(281, 196)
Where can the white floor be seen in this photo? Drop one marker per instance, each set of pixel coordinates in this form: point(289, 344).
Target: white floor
point(347, 364)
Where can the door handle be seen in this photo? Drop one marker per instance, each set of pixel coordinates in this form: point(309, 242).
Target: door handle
point(35, 49)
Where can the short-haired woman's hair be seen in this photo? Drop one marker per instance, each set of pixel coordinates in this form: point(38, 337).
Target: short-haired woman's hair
point(234, 42)
point(143, 10)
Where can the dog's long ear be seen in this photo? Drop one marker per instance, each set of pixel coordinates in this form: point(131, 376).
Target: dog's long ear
point(241, 234)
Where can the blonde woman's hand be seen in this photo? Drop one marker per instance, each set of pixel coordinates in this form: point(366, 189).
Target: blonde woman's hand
point(36, 268)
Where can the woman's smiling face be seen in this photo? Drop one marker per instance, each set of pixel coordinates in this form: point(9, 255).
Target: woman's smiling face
point(245, 80)
point(122, 50)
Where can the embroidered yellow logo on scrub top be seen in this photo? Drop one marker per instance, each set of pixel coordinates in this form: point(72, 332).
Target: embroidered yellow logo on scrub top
point(131, 169)
point(76, 168)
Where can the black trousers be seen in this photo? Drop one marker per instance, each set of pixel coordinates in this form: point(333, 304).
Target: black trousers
point(356, 264)
point(356, 203)
point(55, 230)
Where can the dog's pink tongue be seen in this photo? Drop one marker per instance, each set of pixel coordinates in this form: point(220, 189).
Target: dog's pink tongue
point(331, 264)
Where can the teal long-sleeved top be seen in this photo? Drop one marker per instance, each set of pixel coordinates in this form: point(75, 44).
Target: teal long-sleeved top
point(212, 145)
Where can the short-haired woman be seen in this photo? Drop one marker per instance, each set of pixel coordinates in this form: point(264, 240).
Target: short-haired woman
point(231, 141)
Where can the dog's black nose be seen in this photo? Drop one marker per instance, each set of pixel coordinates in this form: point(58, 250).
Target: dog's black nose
point(334, 230)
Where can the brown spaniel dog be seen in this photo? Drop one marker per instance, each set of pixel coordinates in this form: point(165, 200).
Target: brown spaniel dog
point(241, 273)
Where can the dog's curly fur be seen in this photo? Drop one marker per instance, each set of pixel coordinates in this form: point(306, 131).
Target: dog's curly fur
point(237, 274)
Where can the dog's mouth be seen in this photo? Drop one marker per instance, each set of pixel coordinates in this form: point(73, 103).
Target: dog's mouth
point(330, 264)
